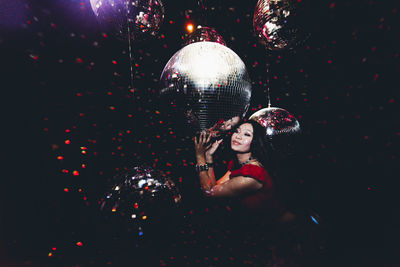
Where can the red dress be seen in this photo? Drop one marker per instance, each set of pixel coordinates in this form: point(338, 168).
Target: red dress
point(263, 200)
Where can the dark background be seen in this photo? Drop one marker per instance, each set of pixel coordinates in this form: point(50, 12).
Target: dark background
point(63, 78)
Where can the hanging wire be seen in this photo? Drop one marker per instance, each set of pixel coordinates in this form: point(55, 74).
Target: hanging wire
point(268, 58)
point(130, 55)
point(129, 45)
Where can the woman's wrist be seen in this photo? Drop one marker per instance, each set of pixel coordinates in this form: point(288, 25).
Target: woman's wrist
point(209, 158)
point(201, 160)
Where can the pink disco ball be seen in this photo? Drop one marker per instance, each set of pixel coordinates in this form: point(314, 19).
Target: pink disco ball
point(133, 18)
point(276, 121)
point(204, 34)
point(279, 23)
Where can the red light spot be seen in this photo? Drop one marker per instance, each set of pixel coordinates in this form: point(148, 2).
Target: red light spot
point(60, 157)
point(79, 60)
point(66, 190)
point(332, 5)
point(80, 244)
point(171, 22)
point(105, 35)
point(114, 62)
point(136, 205)
point(83, 166)
point(75, 173)
point(54, 248)
point(67, 142)
point(329, 61)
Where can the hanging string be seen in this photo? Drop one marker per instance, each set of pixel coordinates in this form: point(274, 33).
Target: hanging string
point(129, 45)
point(130, 55)
point(268, 58)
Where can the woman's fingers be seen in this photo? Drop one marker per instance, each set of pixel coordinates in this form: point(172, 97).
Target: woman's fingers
point(208, 146)
point(208, 138)
point(203, 137)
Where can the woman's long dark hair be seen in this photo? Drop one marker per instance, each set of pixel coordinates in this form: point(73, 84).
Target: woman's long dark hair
point(260, 147)
point(273, 156)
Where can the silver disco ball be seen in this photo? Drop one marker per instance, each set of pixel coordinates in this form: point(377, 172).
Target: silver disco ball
point(204, 34)
point(140, 198)
point(133, 18)
point(276, 121)
point(276, 23)
point(209, 84)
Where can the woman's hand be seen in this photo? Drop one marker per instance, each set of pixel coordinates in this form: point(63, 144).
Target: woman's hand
point(212, 148)
point(201, 146)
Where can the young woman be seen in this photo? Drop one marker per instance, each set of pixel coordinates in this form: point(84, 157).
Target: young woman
point(247, 177)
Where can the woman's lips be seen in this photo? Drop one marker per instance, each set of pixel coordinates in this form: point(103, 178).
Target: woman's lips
point(235, 143)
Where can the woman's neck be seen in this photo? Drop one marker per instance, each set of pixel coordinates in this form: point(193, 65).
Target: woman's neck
point(242, 157)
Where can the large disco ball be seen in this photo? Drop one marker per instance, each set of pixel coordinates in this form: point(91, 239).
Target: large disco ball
point(276, 121)
point(277, 23)
point(204, 34)
point(133, 18)
point(209, 84)
point(142, 202)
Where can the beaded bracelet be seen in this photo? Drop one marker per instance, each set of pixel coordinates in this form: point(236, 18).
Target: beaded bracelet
point(200, 168)
point(210, 164)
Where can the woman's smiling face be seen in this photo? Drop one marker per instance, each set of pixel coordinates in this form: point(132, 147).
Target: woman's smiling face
point(242, 138)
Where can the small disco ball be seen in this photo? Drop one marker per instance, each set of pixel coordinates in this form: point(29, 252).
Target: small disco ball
point(204, 34)
point(276, 23)
point(141, 201)
point(281, 130)
point(208, 83)
point(129, 18)
point(276, 121)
